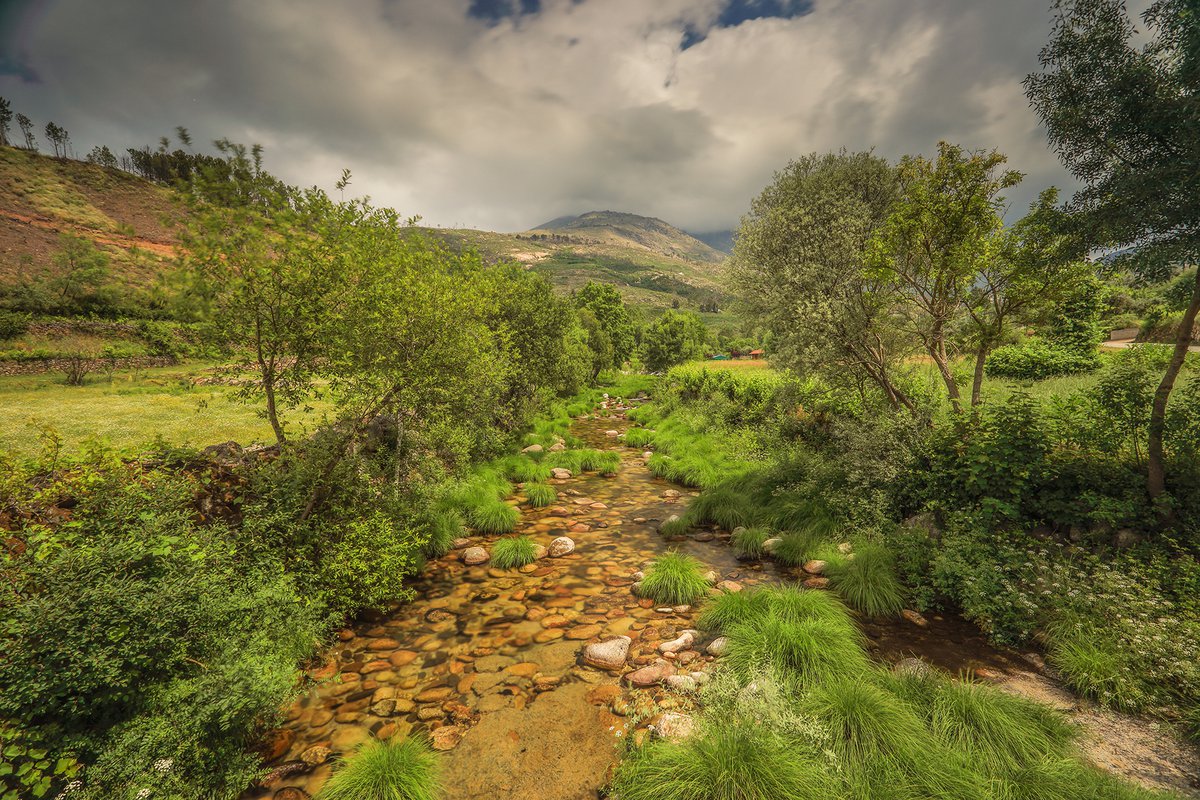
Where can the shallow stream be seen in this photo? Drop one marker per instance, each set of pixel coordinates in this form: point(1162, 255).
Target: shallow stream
point(486, 661)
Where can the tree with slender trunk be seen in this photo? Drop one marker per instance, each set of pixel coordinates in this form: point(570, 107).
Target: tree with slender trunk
point(1121, 106)
point(937, 238)
point(26, 126)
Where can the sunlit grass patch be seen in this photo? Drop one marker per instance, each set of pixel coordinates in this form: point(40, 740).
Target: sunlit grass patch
point(540, 495)
point(513, 551)
point(392, 769)
point(674, 579)
point(748, 542)
point(868, 581)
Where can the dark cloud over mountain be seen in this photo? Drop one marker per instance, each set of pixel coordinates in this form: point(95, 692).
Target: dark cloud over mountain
point(501, 113)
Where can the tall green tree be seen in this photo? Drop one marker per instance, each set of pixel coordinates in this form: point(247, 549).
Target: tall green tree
point(605, 303)
point(799, 270)
point(673, 338)
point(1034, 266)
point(940, 234)
point(261, 260)
point(1121, 107)
point(26, 126)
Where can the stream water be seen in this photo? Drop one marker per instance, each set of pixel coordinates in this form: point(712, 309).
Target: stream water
point(486, 661)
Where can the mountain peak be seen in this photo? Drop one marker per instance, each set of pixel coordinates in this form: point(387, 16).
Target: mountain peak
point(622, 227)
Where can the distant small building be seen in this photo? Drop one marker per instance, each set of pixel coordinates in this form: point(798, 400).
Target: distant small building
point(757, 354)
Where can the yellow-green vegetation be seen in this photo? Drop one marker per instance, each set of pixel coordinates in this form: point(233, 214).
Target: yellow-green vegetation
point(133, 410)
point(674, 579)
point(796, 709)
point(513, 551)
point(400, 768)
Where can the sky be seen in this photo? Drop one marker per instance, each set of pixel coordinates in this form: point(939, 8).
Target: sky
point(501, 114)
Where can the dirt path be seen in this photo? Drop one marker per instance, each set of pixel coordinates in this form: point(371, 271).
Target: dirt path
point(164, 249)
point(486, 661)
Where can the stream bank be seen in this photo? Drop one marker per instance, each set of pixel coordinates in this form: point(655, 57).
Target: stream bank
point(487, 661)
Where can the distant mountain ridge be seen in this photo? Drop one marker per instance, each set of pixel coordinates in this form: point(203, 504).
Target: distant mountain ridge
point(651, 233)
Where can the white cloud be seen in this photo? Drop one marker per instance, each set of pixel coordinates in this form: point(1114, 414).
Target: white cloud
point(584, 105)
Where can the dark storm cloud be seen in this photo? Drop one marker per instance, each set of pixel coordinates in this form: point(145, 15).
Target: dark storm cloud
point(501, 113)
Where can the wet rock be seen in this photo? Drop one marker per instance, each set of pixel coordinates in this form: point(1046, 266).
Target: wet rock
point(671, 493)
point(646, 454)
point(383, 708)
point(682, 642)
point(681, 683)
point(533, 448)
point(914, 618)
point(912, 666)
point(446, 737)
point(584, 632)
point(474, 555)
point(402, 658)
point(435, 694)
point(580, 527)
point(316, 755)
point(609, 654)
point(729, 586)
point(560, 473)
point(770, 544)
point(651, 675)
point(539, 552)
point(461, 543)
point(291, 793)
point(815, 567)
point(816, 583)
point(278, 743)
point(711, 576)
point(612, 434)
point(718, 647)
point(561, 546)
point(429, 713)
point(674, 726)
point(525, 669)
point(704, 536)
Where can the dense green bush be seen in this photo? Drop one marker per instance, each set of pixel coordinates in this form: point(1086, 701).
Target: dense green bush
point(1038, 359)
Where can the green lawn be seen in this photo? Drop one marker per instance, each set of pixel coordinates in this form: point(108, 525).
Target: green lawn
point(127, 413)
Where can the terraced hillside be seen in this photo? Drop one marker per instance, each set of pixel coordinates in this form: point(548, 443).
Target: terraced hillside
point(652, 262)
point(42, 198)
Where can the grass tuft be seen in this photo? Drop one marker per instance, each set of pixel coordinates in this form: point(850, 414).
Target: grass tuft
point(512, 552)
point(445, 526)
point(868, 581)
point(493, 517)
point(796, 548)
point(1093, 668)
point(807, 651)
point(676, 527)
point(730, 762)
point(395, 769)
point(748, 542)
point(639, 437)
point(725, 505)
point(540, 495)
point(674, 579)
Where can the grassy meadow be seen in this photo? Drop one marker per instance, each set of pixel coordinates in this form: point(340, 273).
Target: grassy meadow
point(131, 410)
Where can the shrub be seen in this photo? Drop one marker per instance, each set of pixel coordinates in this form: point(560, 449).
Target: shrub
point(730, 762)
point(1037, 360)
point(540, 495)
point(674, 579)
point(748, 542)
point(12, 324)
point(868, 581)
point(393, 769)
point(512, 552)
point(365, 562)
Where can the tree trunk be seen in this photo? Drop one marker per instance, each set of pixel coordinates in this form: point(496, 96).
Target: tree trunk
point(937, 351)
point(1156, 481)
point(273, 411)
point(977, 382)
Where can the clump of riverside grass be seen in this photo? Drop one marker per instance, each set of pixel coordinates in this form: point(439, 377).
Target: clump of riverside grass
point(391, 769)
point(674, 579)
point(678, 526)
point(748, 542)
point(797, 709)
point(794, 549)
point(445, 526)
point(513, 551)
point(540, 495)
point(868, 581)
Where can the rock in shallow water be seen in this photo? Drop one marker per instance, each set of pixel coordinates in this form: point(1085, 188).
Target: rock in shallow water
point(649, 676)
point(607, 655)
point(474, 555)
point(718, 646)
point(561, 546)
